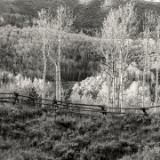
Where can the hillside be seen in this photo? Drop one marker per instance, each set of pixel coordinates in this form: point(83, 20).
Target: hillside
point(89, 16)
point(30, 7)
point(119, 69)
point(25, 135)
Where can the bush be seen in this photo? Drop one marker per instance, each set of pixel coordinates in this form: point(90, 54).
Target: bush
point(110, 151)
point(33, 97)
point(146, 154)
point(66, 123)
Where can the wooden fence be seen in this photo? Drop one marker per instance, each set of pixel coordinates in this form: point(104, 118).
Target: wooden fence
point(63, 107)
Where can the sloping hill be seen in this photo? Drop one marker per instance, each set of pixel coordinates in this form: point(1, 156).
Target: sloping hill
point(30, 7)
point(89, 15)
point(7, 7)
point(25, 135)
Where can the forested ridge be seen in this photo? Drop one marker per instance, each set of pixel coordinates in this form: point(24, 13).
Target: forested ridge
point(89, 16)
point(88, 20)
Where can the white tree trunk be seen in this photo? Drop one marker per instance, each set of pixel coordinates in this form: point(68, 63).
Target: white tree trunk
point(109, 91)
point(156, 89)
point(121, 82)
point(57, 88)
point(113, 86)
point(137, 103)
point(44, 72)
point(157, 72)
point(143, 83)
point(59, 94)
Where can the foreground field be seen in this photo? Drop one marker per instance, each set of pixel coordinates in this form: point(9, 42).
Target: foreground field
point(26, 134)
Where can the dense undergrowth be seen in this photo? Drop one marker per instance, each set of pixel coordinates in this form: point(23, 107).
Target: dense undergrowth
point(26, 134)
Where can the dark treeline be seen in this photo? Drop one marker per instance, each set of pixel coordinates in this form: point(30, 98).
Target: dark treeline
point(89, 17)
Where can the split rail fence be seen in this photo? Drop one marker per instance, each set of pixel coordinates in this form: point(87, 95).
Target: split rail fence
point(62, 107)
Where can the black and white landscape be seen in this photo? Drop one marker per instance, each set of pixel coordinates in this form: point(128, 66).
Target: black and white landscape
point(79, 80)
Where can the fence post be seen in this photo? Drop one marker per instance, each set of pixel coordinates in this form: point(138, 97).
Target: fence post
point(15, 98)
point(54, 103)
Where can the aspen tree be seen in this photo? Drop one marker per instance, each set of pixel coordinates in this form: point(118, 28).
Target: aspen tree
point(157, 68)
point(46, 26)
point(115, 29)
point(145, 58)
point(64, 21)
point(42, 26)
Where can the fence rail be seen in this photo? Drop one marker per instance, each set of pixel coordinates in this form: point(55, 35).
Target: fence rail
point(68, 107)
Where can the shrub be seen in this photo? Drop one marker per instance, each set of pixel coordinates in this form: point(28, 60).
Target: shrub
point(33, 97)
point(110, 151)
point(146, 154)
point(66, 122)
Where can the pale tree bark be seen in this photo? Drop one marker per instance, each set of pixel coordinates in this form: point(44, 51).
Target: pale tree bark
point(54, 61)
point(44, 70)
point(137, 95)
point(143, 83)
point(156, 88)
point(57, 63)
point(59, 70)
point(57, 87)
point(114, 77)
point(144, 69)
point(109, 90)
point(121, 81)
point(157, 68)
point(114, 86)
